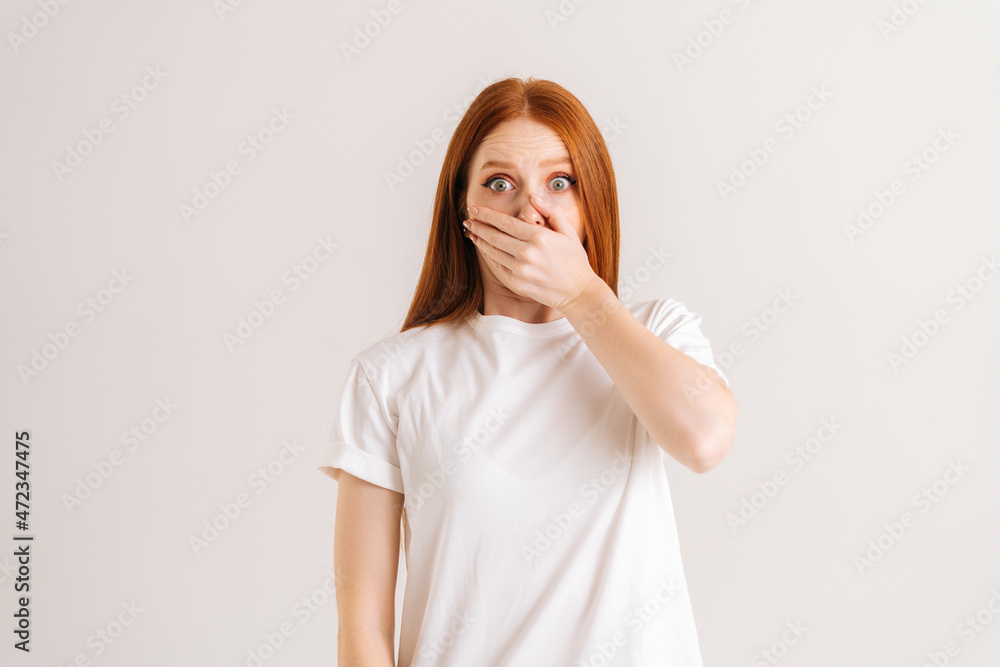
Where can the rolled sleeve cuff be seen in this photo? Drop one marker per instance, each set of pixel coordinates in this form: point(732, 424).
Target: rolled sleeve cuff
point(361, 464)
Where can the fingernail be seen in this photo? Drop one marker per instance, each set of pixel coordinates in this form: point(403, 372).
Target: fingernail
point(474, 210)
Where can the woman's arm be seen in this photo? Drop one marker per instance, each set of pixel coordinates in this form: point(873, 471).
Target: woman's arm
point(365, 563)
point(684, 405)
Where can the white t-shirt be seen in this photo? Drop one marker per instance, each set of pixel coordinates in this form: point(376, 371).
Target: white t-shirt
point(539, 525)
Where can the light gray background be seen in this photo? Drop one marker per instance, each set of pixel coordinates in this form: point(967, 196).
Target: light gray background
point(673, 132)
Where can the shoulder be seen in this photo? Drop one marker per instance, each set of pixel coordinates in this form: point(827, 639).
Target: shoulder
point(401, 350)
point(659, 313)
point(671, 321)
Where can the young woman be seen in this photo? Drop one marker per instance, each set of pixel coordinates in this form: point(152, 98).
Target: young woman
point(518, 422)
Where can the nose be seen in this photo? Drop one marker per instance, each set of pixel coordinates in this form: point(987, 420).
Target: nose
point(526, 211)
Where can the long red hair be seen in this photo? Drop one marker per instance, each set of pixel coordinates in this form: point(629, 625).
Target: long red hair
point(450, 287)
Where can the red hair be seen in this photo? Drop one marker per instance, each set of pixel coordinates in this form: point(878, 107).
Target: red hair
point(450, 287)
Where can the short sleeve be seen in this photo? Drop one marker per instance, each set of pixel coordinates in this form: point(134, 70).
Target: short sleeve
point(672, 322)
point(361, 439)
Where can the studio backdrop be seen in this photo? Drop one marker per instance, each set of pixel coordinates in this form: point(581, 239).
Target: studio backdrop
point(208, 208)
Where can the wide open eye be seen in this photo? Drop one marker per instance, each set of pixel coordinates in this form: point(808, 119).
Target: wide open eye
point(560, 183)
point(498, 179)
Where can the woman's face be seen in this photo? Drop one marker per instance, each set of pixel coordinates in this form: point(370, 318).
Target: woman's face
point(520, 158)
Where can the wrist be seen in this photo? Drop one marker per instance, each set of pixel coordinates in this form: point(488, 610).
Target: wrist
point(596, 298)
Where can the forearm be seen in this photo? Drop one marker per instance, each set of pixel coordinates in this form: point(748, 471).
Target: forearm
point(683, 405)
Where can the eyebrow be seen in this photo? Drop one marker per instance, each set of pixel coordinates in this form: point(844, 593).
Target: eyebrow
point(503, 164)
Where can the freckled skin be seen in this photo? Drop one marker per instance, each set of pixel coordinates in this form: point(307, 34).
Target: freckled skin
point(525, 143)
